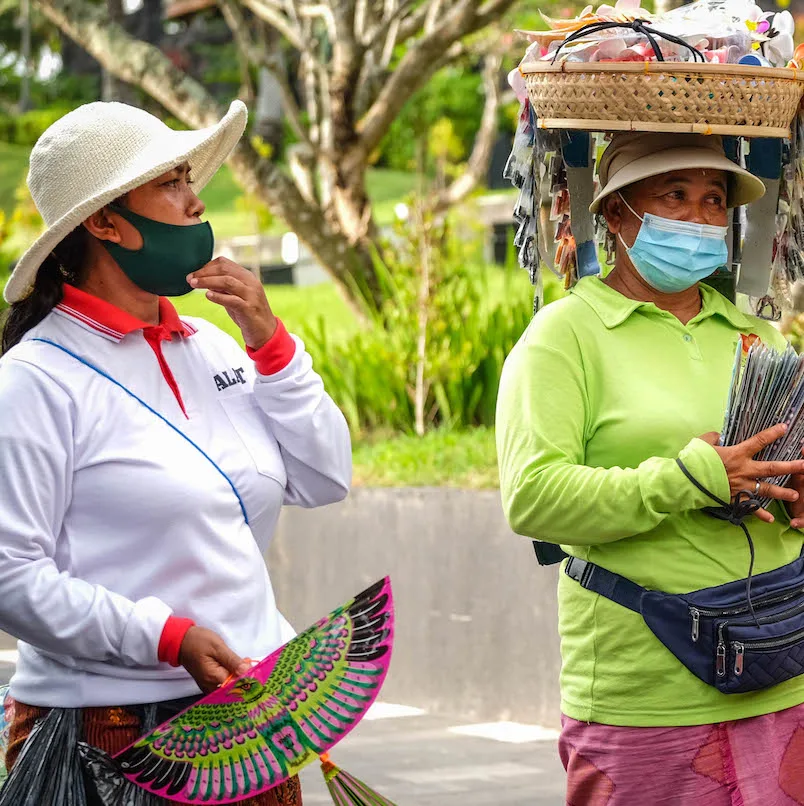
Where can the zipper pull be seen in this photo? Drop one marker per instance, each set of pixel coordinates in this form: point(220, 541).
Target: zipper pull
point(696, 623)
point(721, 659)
point(739, 652)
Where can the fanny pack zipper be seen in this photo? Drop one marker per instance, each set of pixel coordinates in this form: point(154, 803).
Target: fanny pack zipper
point(740, 647)
point(763, 601)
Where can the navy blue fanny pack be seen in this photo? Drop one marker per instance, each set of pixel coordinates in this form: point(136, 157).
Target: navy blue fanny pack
point(711, 631)
point(741, 636)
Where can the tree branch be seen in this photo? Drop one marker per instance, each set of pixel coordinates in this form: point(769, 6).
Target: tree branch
point(271, 14)
point(479, 160)
point(242, 38)
point(413, 71)
point(324, 12)
point(259, 56)
point(344, 13)
point(379, 33)
point(414, 22)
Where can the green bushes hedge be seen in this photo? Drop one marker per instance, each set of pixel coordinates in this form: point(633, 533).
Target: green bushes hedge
point(474, 313)
point(27, 128)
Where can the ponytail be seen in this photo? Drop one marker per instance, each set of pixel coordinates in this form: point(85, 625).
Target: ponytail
point(65, 263)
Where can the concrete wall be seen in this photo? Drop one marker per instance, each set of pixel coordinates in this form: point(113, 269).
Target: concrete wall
point(476, 614)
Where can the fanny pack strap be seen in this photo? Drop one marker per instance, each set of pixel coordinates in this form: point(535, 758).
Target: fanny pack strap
point(156, 414)
point(613, 586)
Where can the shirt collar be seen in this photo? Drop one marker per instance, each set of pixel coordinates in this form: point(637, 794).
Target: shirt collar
point(111, 322)
point(614, 308)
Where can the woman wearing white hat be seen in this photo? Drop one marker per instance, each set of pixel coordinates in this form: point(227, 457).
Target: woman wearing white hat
point(601, 404)
point(144, 457)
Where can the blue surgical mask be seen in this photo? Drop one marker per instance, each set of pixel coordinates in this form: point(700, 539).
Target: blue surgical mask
point(672, 256)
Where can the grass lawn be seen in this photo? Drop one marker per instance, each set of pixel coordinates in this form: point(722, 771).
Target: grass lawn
point(13, 168)
point(466, 459)
point(229, 219)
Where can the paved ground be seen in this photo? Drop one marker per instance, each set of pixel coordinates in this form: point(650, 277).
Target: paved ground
point(419, 761)
point(424, 760)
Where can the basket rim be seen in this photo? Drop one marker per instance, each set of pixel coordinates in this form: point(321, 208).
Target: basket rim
point(692, 127)
point(672, 68)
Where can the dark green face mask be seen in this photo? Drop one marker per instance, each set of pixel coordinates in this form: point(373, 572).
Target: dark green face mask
point(168, 254)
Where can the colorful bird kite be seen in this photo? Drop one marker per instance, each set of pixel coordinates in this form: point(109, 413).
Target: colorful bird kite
point(261, 729)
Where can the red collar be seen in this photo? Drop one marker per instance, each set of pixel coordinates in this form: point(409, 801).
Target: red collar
point(113, 323)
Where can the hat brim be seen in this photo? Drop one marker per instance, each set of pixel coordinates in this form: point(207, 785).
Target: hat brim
point(205, 149)
point(743, 189)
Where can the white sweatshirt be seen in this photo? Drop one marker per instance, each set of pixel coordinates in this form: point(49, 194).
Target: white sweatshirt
point(111, 522)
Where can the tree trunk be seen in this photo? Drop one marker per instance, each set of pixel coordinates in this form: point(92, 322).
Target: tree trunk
point(111, 88)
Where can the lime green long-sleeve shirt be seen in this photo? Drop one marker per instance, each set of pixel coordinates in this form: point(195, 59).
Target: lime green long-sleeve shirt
point(597, 400)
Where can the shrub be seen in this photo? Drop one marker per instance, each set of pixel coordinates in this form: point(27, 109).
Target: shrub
point(26, 129)
point(437, 345)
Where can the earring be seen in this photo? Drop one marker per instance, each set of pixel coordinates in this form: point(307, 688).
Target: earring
point(611, 247)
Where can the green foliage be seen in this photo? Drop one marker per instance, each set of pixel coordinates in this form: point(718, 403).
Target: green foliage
point(3, 261)
point(24, 226)
point(455, 94)
point(373, 375)
point(13, 167)
point(26, 129)
point(793, 329)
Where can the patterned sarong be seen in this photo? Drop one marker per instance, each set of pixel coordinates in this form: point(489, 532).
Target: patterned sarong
point(748, 762)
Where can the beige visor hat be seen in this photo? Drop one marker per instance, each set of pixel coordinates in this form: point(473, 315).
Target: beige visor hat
point(633, 156)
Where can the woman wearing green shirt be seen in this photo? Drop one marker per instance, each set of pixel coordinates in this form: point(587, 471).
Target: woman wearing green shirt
point(605, 390)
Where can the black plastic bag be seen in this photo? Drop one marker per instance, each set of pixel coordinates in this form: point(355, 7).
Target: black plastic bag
point(55, 768)
point(106, 786)
point(48, 770)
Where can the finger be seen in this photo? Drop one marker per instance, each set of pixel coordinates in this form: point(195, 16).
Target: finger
point(797, 523)
point(774, 491)
point(227, 300)
point(764, 438)
point(220, 266)
point(710, 438)
point(764, 515)
point(224, 283)
point(767, 470)
point(229, 660)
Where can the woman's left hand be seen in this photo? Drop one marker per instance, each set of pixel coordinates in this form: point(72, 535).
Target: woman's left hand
point(242, 294)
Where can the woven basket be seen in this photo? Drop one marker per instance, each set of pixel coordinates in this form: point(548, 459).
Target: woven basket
point(657, 96)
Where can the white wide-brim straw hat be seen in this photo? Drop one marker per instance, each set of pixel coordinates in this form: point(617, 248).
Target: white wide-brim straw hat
point(633, 156)
point(100, 151)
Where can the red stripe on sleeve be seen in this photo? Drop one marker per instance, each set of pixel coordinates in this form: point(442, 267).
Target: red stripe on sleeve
point(172, 636)
point(276, 353)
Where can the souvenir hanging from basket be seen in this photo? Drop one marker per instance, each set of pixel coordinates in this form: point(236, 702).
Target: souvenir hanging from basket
point(712, 67)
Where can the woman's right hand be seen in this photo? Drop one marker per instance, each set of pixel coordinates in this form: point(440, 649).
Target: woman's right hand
point(206, 657)
point(744, 471)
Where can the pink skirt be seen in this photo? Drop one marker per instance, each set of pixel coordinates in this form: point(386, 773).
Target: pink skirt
point(748, 762)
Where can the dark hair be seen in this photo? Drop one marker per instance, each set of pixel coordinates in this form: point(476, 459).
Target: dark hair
point(66, 263)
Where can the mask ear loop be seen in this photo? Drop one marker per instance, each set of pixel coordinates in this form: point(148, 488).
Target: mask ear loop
point(636, 215)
